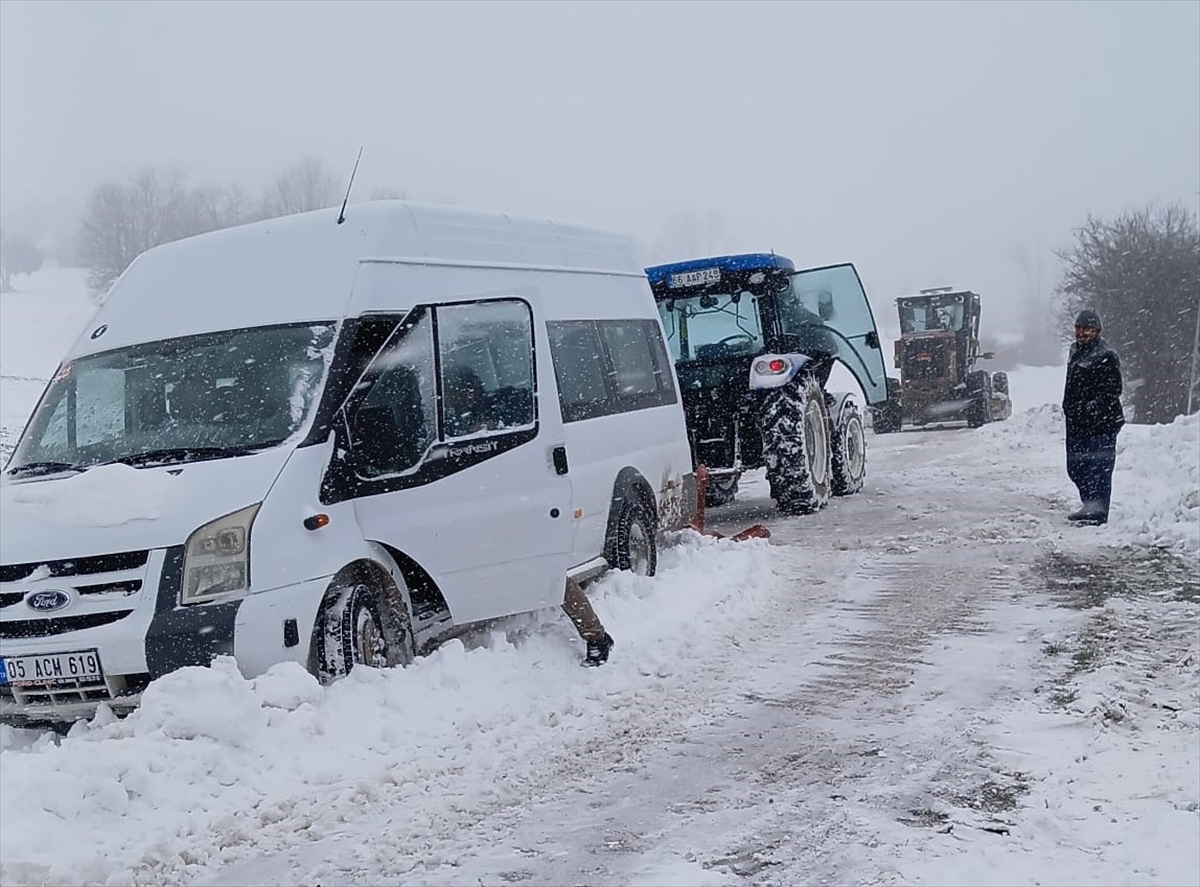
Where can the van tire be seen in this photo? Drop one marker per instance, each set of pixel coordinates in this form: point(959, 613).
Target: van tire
point(355, 626)
point(635, 547)
point(796, 446)
point(848, 461)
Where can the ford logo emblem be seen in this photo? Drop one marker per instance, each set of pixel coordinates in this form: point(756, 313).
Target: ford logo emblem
point(48, 600)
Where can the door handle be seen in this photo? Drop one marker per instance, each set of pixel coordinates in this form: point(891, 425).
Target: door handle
point(559, 457)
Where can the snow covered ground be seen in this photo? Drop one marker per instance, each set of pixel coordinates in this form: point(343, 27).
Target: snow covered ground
point(937, 681)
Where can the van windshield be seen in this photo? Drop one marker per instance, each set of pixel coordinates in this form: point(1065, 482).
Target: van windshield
point(198, 397)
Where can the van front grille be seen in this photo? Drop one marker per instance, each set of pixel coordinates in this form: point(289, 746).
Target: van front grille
point(77, 566)
point(122, 588)
point(41, 628)
point(93, 691)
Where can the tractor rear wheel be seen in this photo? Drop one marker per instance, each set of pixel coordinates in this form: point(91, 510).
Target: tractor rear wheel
point(796, 446)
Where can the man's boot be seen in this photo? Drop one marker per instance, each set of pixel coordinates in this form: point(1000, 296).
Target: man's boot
point(597, 651)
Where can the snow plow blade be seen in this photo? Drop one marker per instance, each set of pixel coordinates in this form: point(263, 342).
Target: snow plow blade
point(757, 531)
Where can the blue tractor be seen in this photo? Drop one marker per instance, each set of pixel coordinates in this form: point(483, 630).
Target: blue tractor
point(754, 342)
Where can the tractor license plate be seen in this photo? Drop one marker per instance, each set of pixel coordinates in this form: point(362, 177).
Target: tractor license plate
point(695, 278)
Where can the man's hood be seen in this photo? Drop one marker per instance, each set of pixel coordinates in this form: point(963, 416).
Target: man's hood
point(113, 508)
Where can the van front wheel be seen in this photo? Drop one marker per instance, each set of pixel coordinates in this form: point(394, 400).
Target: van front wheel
point(357, 627)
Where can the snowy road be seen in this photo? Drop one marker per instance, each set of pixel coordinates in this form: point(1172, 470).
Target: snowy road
point(857, 720)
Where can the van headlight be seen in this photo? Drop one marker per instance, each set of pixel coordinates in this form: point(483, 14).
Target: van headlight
point(216, 559)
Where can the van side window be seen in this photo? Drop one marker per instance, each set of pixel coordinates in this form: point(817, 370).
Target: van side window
point(610, 366)
point(579, 367)
point(662, 363)
point(396, 422)
point(486, 355)
point(638, 367)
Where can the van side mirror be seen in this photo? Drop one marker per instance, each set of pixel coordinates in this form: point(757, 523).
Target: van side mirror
point(987, 355)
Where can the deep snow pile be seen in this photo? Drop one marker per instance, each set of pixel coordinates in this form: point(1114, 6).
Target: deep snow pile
point(212, 762)
point(1156, 484)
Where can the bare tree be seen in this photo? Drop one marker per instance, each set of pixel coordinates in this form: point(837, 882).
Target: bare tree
point(1041, 331)
point(212, 207)
point(1141, 271)
point(388, 193)
point(687, 235)
point(18, 255)
point(121, 221)
point(306, 186)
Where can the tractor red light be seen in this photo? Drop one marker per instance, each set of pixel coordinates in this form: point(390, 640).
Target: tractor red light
point(773, 367)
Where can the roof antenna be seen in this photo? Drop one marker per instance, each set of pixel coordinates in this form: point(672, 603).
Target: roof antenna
point(342, 214)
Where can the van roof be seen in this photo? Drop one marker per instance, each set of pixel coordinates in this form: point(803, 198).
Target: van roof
point(302, 268)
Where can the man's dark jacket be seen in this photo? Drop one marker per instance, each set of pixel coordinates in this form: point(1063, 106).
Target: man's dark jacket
point(1092, 400)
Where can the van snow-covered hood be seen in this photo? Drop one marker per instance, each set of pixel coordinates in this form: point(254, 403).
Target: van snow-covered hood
point(112, 508)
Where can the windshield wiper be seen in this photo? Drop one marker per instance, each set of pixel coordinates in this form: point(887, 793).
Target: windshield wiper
point(169, 455)
point(45, 468)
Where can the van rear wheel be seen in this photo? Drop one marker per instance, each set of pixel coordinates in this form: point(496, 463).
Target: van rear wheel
point(357, 626)
point(635, 547)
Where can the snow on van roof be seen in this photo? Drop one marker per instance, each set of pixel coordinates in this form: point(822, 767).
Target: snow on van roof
point(302, 268)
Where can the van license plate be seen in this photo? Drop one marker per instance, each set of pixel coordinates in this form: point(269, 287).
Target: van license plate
point(50, 669)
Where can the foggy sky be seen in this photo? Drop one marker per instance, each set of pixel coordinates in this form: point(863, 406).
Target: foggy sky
point(929, 143)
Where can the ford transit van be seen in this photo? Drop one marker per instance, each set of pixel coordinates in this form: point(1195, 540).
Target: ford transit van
point(334, 444)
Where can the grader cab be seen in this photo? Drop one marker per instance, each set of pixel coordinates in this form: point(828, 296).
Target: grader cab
point(936, 354)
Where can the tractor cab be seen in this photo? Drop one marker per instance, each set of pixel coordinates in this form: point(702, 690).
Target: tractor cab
point(727, 310)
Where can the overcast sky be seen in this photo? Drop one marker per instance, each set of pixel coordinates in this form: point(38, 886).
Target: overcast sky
point(929, 143)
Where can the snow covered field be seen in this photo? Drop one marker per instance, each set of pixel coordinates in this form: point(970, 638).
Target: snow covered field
point(937, 681)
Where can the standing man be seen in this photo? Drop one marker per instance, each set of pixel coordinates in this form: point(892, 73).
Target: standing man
point(1092, 409)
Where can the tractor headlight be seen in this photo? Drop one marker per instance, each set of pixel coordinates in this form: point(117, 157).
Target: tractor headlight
point(216, 559)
